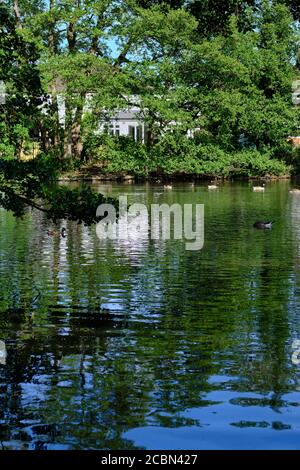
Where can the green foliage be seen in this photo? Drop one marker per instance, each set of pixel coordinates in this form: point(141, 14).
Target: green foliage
point(211, 160)
point(243, 82)
point(32, 183)
point(213, 15)
point(20, 114)
point(178, 154)
point(78, 205)
point(119, 155)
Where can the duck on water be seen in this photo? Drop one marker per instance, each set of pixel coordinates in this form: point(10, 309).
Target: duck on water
point(262, 224)
point(259, 189)
point(55, 233)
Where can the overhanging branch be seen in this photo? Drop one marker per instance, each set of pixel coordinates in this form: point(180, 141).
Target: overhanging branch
point(25, 200)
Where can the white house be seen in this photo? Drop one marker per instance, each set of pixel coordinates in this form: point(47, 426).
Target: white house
point(2, 92)
point(295, 140)
point(127, 123)
point(296, 92)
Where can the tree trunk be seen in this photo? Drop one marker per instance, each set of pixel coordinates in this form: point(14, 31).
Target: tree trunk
point(45, 141)
point(73, 125)
point(94, 47)
point(71, 37)
point(56, 128)
point(67, 129)
point(77, 146)
point(17, 13)
point(76, 140)
point(53, 48)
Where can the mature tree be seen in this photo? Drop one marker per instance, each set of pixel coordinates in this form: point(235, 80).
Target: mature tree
point(27, 183)
point(243, 82)
point(19, 114)
point(294, 7)
point(213, 15)
point(86, 49)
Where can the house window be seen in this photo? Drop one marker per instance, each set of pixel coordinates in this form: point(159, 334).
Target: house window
point(131, 132)
point(139, 133)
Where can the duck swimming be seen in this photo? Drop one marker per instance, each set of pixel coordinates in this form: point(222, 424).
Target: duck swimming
point(262, 224)
point(295, 191)
point(55, 233)
point(212, 186)
point(258, 189)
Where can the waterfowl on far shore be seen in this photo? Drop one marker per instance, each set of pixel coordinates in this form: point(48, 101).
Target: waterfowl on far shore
point(295, 191)
point(258, 188)
point(262, 224)
point(168, 186)
point(55, 233)
point(212, 186)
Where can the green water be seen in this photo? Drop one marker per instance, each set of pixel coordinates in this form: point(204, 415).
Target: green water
point(142, 344)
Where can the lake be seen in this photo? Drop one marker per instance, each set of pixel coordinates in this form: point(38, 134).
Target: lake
point(145, 345)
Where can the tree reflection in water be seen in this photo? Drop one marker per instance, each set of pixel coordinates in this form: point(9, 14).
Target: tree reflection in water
point(144, 335)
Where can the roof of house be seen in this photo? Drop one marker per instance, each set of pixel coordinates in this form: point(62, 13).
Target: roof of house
point(126, 115)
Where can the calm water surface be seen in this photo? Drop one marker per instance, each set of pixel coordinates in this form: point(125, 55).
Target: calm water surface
point(129, 345)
